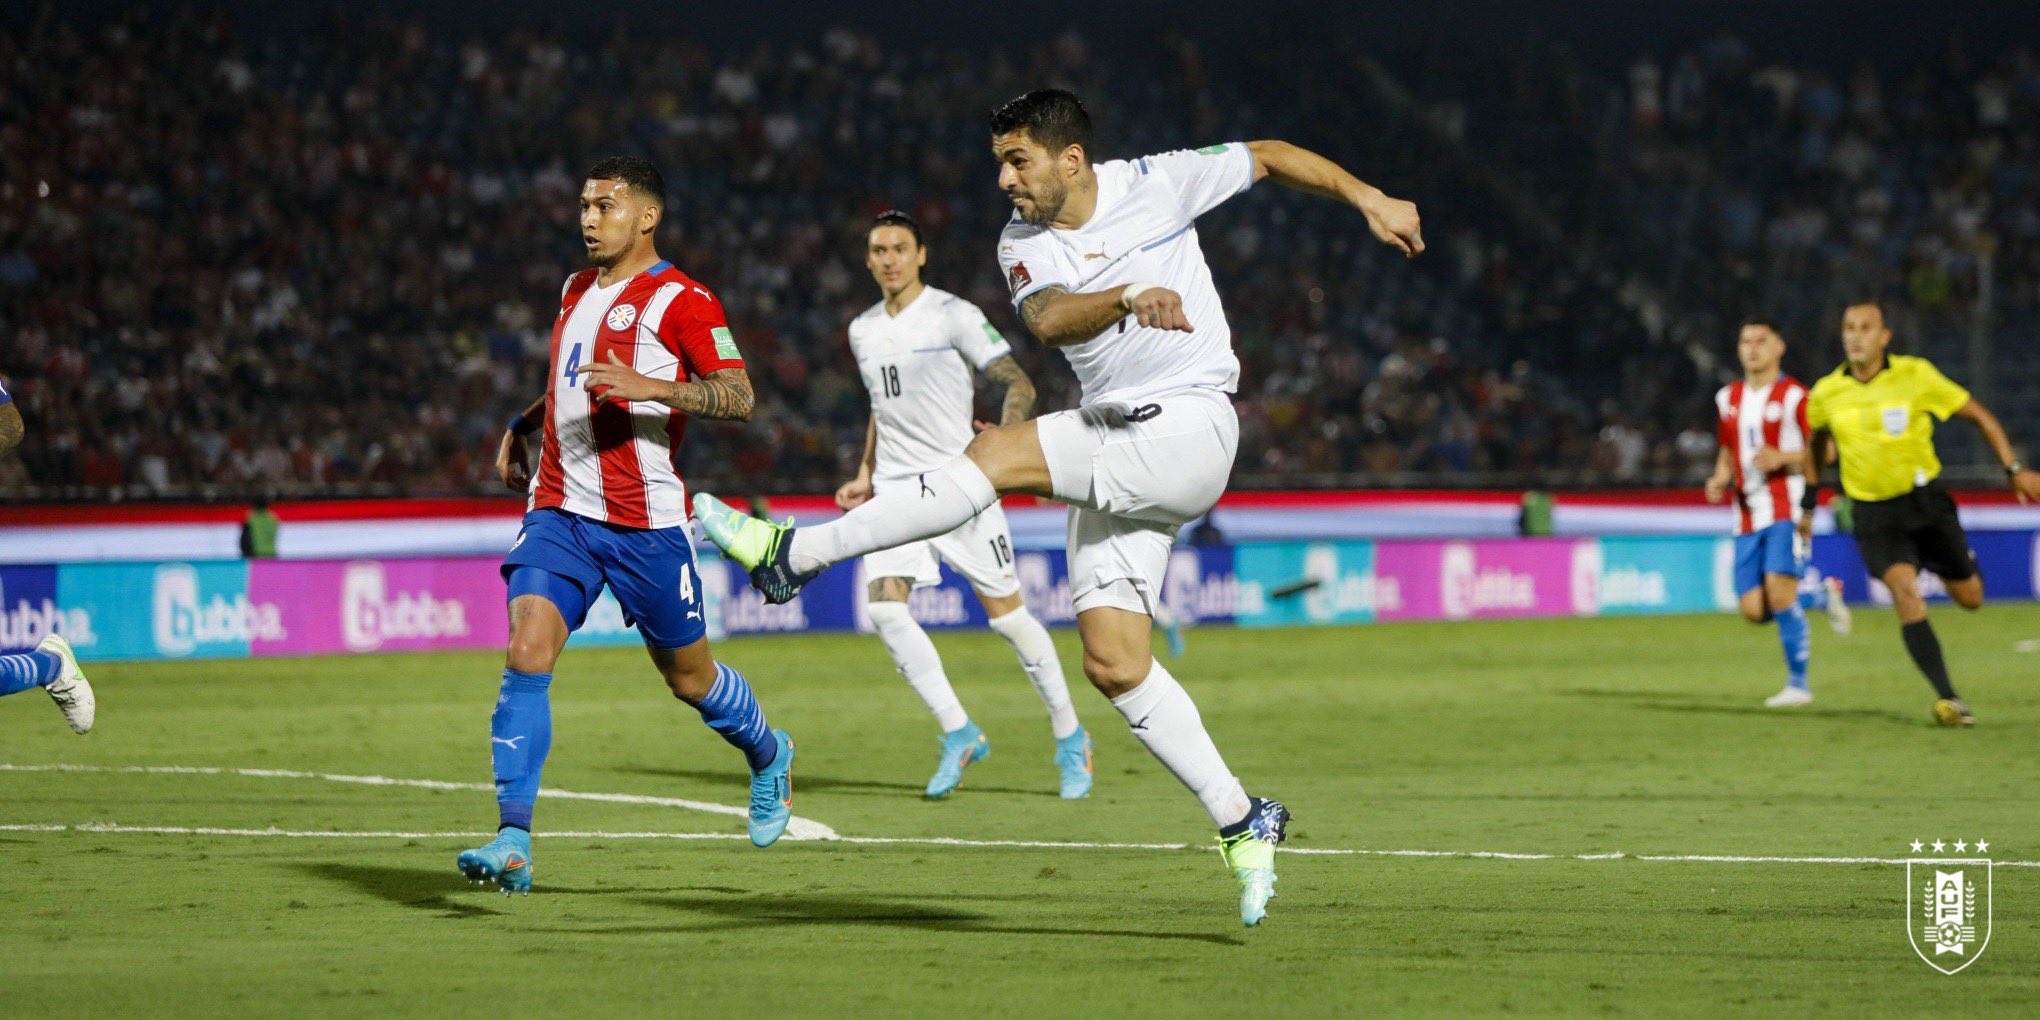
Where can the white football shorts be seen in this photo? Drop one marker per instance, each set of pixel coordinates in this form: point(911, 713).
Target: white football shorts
point(1133, 476)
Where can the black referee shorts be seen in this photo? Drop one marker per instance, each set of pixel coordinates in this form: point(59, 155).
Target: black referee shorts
point(1919, 528)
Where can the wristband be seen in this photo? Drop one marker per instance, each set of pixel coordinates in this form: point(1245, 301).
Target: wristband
point(2012, 470)
point(1134, 290)
point(520, 425)
point(1811, 500)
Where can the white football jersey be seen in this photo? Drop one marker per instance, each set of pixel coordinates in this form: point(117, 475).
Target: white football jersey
point(918, 366)
point(1142, 231)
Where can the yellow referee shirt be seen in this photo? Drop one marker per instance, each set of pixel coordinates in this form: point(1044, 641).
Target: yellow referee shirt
point(1883, 427)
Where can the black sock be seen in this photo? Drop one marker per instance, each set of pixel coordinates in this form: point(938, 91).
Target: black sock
point(1925, 650)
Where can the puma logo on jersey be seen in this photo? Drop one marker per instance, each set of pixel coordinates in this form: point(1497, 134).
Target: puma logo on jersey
point(510, 742)
point(1089, 255)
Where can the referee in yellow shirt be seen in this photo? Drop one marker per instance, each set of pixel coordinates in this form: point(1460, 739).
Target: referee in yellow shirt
point(1880, 410)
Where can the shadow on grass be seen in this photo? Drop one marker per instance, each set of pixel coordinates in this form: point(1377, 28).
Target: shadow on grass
point(417, 888)
point(807, 782)
point(1666, 701)
point(811, 910)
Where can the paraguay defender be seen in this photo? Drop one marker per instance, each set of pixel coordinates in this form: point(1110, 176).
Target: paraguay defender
point(916, 349)
point(1105, 263)
point(1879, 409)
point(637, 349)
point(1762, 425)
point(51, 666)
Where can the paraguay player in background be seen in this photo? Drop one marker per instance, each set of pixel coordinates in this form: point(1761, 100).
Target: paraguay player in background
point(1762, 426)
point(916, 349)
point(637, 349)
point(1105, 263)
point(1879, 409)
point(51, 666)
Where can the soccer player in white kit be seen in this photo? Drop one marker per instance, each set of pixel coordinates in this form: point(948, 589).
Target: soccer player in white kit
point(1105, 264)
point(916, 350)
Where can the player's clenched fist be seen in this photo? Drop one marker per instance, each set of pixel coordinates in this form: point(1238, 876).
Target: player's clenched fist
point(1157, 308)
point(1394, 222)
point(853, 493)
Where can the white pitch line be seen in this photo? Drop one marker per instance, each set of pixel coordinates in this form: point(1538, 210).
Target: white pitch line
point(178, 830)
point(799, 828)
point(807, 829)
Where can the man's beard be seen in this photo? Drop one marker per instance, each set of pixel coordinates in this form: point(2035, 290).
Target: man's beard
point(601, 261)
point(1048, 204)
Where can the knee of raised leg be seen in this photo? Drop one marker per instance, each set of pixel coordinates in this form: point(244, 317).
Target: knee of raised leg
point(1114, 676)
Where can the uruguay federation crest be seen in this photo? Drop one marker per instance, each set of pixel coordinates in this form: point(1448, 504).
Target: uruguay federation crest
point(1948, 905)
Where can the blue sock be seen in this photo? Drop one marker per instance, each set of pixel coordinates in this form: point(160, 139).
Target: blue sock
point(1813, 598)
point(732, 710)
point(27, 669)
point(1794, 634)
point(520, 734)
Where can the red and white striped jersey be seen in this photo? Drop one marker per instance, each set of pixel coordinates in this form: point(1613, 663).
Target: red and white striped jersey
point(614, 462)
point(1751, 419)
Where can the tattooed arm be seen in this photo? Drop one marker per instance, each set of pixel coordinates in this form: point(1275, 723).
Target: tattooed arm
point(1019, 389)
point(10, 428)
point(720, 396)
point(1060, 318)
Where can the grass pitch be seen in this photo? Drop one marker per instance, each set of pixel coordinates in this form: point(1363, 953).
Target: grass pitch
point(1638, 736)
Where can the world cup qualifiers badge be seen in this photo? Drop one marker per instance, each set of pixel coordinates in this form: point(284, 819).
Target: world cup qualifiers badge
point(1948, 907)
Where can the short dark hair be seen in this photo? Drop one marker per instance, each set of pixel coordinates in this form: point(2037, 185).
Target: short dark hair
point(896, 218)
point(1873, 300)
point(1053, 117)
point(640, 174)
point(1765, 322)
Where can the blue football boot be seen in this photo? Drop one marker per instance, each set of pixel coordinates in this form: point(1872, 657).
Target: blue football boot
point(1073, 760)
point(505, 860)
point(960, 747)
point(772, 794)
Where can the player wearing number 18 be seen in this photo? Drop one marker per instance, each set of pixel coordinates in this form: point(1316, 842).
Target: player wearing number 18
point(915, 350)
point(637, 348)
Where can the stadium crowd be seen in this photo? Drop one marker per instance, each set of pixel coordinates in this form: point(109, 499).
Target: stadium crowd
point(326, 263)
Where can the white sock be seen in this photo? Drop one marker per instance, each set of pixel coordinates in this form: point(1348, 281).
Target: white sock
point(1036, 650)
point(915, 656)
point(937, 504)
point(1162, 715)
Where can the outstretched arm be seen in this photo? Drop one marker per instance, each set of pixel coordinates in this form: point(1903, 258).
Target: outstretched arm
point(1019, 400)
point(1393, 220)
point(2025, 481)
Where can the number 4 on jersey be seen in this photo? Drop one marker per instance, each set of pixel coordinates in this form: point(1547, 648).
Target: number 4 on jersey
point(573, 361)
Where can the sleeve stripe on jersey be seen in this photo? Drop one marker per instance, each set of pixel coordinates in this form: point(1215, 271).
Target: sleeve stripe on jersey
point(1031, 291)
point(1143, 165)
point(1179, 232)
